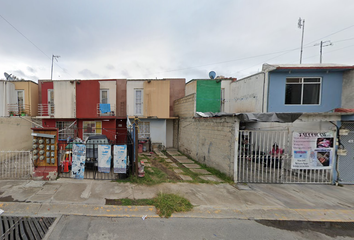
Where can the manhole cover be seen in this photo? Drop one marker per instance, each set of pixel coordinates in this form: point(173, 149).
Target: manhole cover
point(24, 227)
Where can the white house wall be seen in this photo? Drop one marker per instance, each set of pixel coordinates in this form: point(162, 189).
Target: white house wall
point(64, 99)
point(131, 85)
point(8, 96)
point(112, 87)
point(246, 95)
point(157, 130)
point(226, 84)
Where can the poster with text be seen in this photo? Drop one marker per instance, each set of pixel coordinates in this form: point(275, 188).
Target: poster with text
point(104, 158)
point(120, 158)
point(312, 150)
point(78, 164)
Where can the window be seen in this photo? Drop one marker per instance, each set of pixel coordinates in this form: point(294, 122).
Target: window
point(144, 130)
point(92, 128)
point(20, 100)
point(66, 129)
point(303, 91)
point(138, 101)
point(104, 95)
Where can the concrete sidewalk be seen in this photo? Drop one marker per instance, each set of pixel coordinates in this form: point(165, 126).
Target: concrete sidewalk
point(253, 201)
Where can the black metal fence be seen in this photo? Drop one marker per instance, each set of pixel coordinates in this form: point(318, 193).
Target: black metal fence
point(91, 168)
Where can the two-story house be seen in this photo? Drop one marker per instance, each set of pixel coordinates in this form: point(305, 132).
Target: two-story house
point(151, 100)
point(19, 97)
point(316, 91)
point(82, 108)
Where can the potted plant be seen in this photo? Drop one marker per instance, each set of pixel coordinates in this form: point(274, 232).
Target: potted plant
point(23, 113)
point(11, 113)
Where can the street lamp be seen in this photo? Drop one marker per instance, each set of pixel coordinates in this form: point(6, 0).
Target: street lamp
point(56, 58)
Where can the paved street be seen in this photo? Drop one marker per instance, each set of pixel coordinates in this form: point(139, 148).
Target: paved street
point(81, 227)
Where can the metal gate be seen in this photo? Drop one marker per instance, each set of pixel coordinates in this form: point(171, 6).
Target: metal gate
point(91, 163)
point(16, 165)
point(265, 157)
point(346, 163)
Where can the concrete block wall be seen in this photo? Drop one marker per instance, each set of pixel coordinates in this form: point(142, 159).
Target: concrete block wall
point(209, 141)
point(185, 107)
point(15, 134)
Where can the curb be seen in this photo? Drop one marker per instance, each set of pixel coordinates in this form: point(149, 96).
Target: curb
point(56, 209)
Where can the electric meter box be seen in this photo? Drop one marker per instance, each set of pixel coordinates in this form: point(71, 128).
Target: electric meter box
point(45, 152)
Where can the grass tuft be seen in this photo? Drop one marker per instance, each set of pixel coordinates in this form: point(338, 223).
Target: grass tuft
point(166, 204)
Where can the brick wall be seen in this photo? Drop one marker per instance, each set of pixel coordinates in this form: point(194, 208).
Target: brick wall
point(209, 141)
point(185, 107)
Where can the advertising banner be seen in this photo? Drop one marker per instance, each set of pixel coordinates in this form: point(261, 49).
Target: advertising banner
point(120, 158)
point(78, 164)
point(104, 158)
point(312, 150)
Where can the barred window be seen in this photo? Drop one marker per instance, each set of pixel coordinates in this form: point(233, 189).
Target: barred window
point(66, 129)
point(144, 130)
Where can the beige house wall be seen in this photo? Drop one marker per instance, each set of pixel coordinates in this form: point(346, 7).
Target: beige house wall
point(185, 107)
point(112, 87)
point(15, 134)
point(31, 94)
point(157, 98)
point(64, 99)
point(191, 87)
point(34, 99)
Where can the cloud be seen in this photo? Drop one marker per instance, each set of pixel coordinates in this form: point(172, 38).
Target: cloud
point(31, 70)
point(110, 67)
point(88, 74)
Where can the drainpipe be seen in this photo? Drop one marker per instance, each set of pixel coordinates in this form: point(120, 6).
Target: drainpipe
point(4, 111)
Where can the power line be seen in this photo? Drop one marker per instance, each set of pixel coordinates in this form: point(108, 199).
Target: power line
point(33, 43)
point(330, 34)
point(25, 37)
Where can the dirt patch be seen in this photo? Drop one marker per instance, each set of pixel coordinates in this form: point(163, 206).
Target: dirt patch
point(171, 175)
point(129, 202)
point(8, 199)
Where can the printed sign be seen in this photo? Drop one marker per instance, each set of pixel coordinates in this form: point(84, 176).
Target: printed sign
point(312, 150)
point(104, 158)
point(78, 164)
point(120, 158)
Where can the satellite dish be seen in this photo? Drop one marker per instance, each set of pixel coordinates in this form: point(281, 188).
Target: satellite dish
point(212, 74)
point(8, 76)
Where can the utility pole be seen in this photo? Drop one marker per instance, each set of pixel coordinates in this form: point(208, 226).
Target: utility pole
point(56, 58)
point(323, 44)
point(301, 25)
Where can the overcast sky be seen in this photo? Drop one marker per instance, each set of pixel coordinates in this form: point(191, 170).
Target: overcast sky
point(168, 39)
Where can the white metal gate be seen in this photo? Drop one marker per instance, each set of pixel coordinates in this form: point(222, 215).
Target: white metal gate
point(346, 163)
point(265, 157)
point(16, 165)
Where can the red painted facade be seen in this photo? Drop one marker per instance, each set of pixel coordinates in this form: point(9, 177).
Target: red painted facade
point(87, 98)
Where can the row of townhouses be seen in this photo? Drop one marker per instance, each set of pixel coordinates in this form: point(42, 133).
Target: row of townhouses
point(305, 111)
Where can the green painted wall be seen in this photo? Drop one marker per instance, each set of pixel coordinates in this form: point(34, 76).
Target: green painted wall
point(208, 96)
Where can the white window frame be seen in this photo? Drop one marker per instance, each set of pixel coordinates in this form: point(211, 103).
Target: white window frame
point(136, 112)
point(50, 93)
point(20, 108)
point(104, 90)
point(302, 90)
